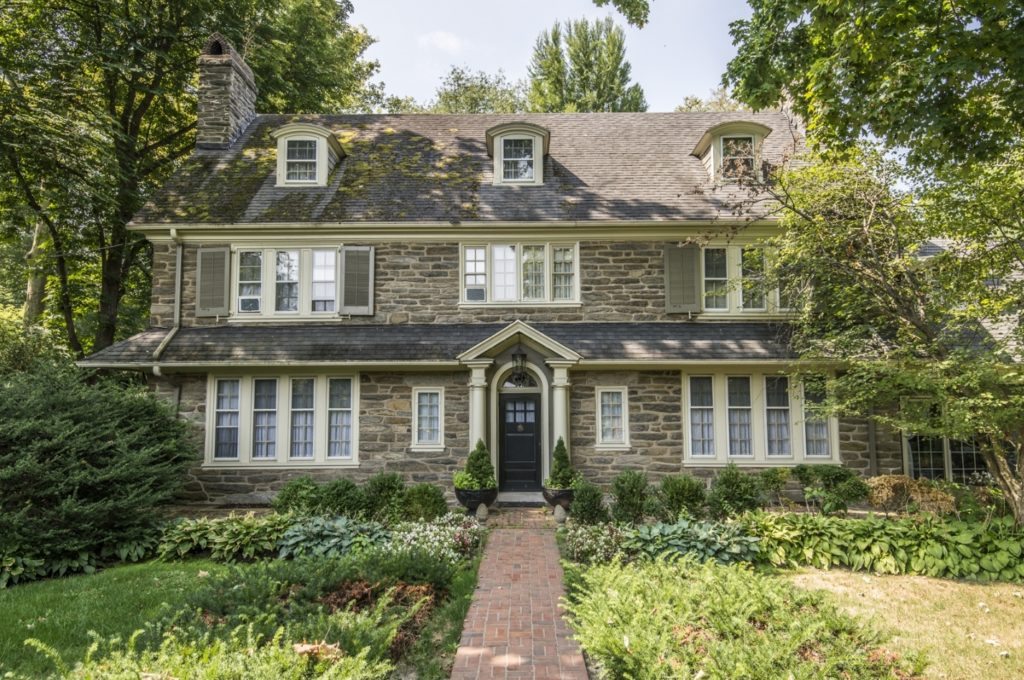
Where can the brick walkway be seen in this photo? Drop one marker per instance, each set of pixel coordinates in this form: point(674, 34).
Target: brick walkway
point(514, 628)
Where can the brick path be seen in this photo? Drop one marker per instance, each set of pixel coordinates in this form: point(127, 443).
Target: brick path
point(514, 628)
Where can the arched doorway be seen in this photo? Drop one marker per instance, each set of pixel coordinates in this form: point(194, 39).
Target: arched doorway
point(521, 430)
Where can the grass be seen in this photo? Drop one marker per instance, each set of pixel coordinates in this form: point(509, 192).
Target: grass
point(433, 654)
point(61, 612)
point(962, 628)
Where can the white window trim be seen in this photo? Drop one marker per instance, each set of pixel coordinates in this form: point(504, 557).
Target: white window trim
point(688, 423)
point(268, 301)
point(740, 278)
point(755, 418)
point(600, 444)
point(427, 446)
point(549, 284)
point(283, 457)
point(789, 417)
point(704, 281)
point(499, 160)
point(719, 378)
point(734, 292)
point(830, 425)
point(282, 161)
point(720, 157)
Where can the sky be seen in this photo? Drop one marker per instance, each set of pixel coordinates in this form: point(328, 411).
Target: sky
point(682, 50)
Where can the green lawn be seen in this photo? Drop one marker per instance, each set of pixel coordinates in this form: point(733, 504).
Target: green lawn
point(61, 612)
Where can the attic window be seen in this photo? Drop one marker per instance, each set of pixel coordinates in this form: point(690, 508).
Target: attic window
point(731, 151)
point(306, 154)
point(300, 165)
point(738, 157)
point(518, 150)
point(517, 159)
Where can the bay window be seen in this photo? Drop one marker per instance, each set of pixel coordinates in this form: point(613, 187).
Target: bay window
point(519, 273)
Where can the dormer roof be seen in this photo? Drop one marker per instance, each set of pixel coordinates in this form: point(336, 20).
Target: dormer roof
point(732, 127)
point(517, 127)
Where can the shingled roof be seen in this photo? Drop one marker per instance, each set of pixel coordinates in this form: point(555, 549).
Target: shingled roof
point(435, 168)
point(325, 343)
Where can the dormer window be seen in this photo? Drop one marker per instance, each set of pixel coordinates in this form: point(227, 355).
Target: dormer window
point(306, 154)
point(731, 151)
point(737, 157)
point(518, 150)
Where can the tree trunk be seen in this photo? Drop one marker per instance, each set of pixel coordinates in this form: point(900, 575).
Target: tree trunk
point(1007, 476)
point(35, 287)
point(111, 291)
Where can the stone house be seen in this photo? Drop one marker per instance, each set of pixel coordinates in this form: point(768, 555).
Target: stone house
point(338, 295)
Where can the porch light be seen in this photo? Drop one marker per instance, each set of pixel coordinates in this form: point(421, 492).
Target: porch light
point(519, 375)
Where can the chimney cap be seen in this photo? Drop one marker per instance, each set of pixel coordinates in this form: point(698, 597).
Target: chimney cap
point(217, 46)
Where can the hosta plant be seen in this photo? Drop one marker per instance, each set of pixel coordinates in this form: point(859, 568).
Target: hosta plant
point(330, 537)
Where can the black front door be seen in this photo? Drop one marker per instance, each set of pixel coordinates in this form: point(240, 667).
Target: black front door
point(519, 459)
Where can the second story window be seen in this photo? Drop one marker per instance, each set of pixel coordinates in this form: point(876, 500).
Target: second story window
point(716, 279)
point(286, 288)
point(737, 157)
point(300, 164)
point(517, 159)
point(519, 273)
point(753, 272)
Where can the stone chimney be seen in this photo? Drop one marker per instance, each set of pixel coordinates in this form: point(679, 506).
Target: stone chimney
point(227, 94)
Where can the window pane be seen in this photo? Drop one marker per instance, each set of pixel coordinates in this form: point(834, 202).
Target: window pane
point(740, 436)
point(716, 279)
point(702, 417)
point(300, 165)
point(927, 458)
point(475, 281)
point(428, 418)
point(517, 159)
point(505, 278)
point(324, 267)
point(816, 439)
point(737, 157)
point(777, 415)
point(966, 460)
point(701, 392)
point(533, 272)
point(302, 418)
point(301, 171)
point(564, 273)
point(754, 294)
point(301, 150)
point(776, 392)
point(264, 418)
point(339, 418)
point(226, 419)
point(286, 298)
point(612, 430)
point(250, 278)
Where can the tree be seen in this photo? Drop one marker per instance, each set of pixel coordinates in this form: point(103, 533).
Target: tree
point(718, 100)
point(97, 106)
point(465, 91)
point(635, 11)
point(587, 71)
point(944, 80)
point(923, 344)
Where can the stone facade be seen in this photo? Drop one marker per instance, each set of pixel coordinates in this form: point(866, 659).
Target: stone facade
point(227, 95)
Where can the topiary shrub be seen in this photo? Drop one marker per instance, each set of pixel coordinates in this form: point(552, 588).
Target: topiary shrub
point(681, 496)
point(588, 504)
point(341, 497)
point(424, 501)
point(300, 495)
point(562, 474)
point(479, 472)
point(85, 465)
point(385, 496)
point(733, 492)
point(630, 497)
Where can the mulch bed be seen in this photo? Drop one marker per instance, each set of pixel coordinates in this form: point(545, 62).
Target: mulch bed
point(361, 595)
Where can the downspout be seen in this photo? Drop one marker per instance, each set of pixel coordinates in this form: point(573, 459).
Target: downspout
point(872, 446)
point(179, 248)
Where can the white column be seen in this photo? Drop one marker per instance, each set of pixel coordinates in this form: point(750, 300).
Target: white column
point(478, 400)
point(560, 401)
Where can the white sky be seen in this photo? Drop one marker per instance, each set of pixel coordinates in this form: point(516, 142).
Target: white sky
point(683, 49)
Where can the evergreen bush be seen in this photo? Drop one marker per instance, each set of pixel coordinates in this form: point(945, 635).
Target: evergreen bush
point(342, 497)
point(831, 488)
point(630, 497)
point(424, 502)
point(385, 496)
point(732, 492)
point(562, 474)
point(681, 495)
point(300, 495)
point(479, 472)
point(588, 504)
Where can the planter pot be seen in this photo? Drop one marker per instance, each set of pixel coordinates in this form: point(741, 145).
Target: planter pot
point(472, 498)
point(555, 497)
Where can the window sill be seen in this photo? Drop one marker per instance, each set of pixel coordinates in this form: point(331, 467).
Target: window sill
point(427, 448)
point(613, 447)
point(276, 464)
point(287, 318)
point(545, 305)
point(752, 462)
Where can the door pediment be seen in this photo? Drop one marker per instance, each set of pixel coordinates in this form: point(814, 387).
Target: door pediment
point(519, 332)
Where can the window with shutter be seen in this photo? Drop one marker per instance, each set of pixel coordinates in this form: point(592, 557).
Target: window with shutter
point(682, 278)
point(212, 281)
point(357, 280)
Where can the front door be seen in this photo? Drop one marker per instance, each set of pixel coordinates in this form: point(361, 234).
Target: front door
point(519, 458)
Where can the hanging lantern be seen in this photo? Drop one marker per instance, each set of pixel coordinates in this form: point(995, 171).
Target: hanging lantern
point(519, 377)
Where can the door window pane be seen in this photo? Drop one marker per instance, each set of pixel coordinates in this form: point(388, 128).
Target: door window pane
point(302, 418)
point(286, 293)
point(226, 419)
point(324, 285)
point(740, 436)
point(339, 418)
point(428, 417)
point(611, 414)
point(716, 279)
point(264, 418)
point(776, 396)
point(250, 280)
point(702, 417)
point(564, 273)
point(533, 272)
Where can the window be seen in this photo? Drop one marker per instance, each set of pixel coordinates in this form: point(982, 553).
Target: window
point(702, 416)
point(613, 417)
point(286, 288)
point(250, 281)
point(226, 419)
point(738, 157)
point(927, 457)
point(339, 418)
point(776, 412)
point(428, 418)
point(740, 434)
point(264, 418)
point(519, 273)
point(302, 407)
point(816, 434)
point(324, 280)
point(716, 279)
point(517, 159)
point(940, 458)
point(300, 164)
point(752, 271)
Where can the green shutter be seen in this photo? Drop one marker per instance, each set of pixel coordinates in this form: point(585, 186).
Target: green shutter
point(356, 280)
point(682, 279)
point(213, 275)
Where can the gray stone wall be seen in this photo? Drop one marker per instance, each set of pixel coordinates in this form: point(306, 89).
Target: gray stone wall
point(227, 95)
point(419, 283)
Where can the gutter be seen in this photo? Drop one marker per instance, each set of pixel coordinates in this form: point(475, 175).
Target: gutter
point(158, 352)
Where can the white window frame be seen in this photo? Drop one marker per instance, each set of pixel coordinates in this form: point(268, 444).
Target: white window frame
point(490, 279)
point(704, 278)
point(827, 421)
point(603, 444)
point(283, 458)
point(297, 282)
point(751, 408)
point(282, 161)
point(236, 275)
point(353, 418)
point(788, 408)
point(292, 410)
point(268, 284)
point(689, 407)
point(277, 422)
point(499, 160)
point(720, 164)
point(212, 426)
point(417, 445)
point(766, 293)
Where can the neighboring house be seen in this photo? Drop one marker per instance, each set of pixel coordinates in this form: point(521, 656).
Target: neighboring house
point(344, 294)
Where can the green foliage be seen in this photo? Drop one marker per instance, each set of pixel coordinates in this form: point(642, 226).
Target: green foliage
point(773, 483)
point(949, 102)
point(635, 11)
point(681, 496)
point(465, 91)
point(588, 504)
point(300, 495)
point(342, 497)
point(723, 543)
point(831, 488)
point(586, 72)
point(592, 543)
point(20, 347)
point(425, 502)
point(562, 474)
point(631, 495)
point(85, 466)
point(719, 100)
point(684, 620)
point(451, 538)
point(227, 539)
point(924, 545)
point(732, 492)
point(323, 537)
point(385, 493)
point(479, 472)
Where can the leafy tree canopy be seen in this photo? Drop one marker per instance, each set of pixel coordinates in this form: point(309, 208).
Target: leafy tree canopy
point(635, 11)
point(465, 91)
point(943, 79)
point(718, 100)
point(582, 67)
